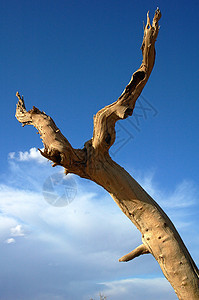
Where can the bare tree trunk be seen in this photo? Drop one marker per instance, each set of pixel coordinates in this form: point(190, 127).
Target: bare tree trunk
point(159, 236)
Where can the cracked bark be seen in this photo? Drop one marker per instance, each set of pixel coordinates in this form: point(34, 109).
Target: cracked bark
point(159, 236)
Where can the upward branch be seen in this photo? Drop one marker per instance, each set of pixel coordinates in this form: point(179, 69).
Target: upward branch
point(56, 147)
point(105, 119)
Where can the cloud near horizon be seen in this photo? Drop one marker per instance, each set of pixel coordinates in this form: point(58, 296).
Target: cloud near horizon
point(138, 288)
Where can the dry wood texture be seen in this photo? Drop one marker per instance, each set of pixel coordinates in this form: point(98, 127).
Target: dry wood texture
point(159, 236)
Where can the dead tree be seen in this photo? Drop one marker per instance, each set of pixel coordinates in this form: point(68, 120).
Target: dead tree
point(159, 236)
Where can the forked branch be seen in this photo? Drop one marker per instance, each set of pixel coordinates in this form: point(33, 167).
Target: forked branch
point(57, 147)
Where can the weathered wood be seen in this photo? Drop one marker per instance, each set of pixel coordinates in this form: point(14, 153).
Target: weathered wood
point(159, 236)
point(140, 250)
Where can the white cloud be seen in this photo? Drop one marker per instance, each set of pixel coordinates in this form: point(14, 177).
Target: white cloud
point(17, 231)
point(32, 155)
point(11, 155)
point(6, 222)
point(86, 217)
point(10, 241)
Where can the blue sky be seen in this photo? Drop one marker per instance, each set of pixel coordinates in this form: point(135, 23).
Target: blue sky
point(71, 58)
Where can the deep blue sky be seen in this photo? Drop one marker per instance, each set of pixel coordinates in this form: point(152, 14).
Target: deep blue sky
point(71, 58)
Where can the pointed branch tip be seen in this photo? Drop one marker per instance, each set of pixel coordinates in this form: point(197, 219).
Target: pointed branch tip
point(148, 20)
point(18, 96)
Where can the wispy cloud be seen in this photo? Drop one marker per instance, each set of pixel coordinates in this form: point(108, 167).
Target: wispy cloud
point(128, 289)
point(183, 195)
point(33, 154)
